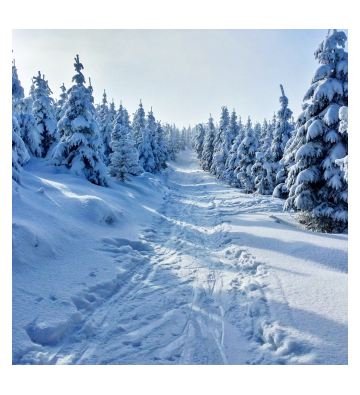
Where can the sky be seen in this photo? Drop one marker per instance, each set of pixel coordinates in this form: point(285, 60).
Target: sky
point(183, 74)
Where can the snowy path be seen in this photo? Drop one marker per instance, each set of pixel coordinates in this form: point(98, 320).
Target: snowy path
point(215, 280)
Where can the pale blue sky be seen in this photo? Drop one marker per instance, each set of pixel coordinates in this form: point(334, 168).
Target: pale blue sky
point(183, 74)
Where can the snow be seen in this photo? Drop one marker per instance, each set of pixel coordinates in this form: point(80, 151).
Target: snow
point(175, 268)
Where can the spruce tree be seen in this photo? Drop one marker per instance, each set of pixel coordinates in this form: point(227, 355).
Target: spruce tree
point(264, 174)
point(283, 129)
point(138, 123)
point(146, 156)
point(124, 157)
point(105, 128)
point(257, 131)
point(20, 155)
point(232, 162)
point(44, 114)
point(60, 103)
point(343, 163)
point(246, 154)
point(199, 139)
point(263, 136)
point(80, 143)
point(152, 128)
point(28, 126)
point(208, 151)
point(315, 182)
point(221, 148)
point(163, 155)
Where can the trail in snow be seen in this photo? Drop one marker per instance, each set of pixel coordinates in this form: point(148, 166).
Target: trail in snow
point(214, 280)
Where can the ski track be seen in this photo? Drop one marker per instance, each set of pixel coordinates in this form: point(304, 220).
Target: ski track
point(186, 293)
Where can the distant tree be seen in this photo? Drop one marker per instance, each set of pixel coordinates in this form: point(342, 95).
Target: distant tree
point(125, 158)
point(105, 128)
point(220, 145)
point(44, 114)
point(162, 155)
point(207, 154)
point(60, 103)
point(138, 123)
point(246, 154)
point(283, 128)
point(199, 139)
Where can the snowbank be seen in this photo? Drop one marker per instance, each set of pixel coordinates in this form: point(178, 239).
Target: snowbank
point(64, 232)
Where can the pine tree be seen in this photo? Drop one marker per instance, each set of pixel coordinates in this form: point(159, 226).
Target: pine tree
point(20, 155)
point(163, 155)
point(60, 103)
point(263, 136)
point(264, 174)
point(199, 139)
point(208, 151)
point(112, 111)
point(80, 143)
point(257, 131)
point(315, 182)
point(246, 154)
point(283, 129)
point(125, 157)
point(221, 145)
point(17, 89)
point(29, 131)
point(231, 133)
point(146, 156)
point(105, 128)
point(152, 128)
point(232, 162)
point(44, 114)
point(138, 123)
point(343, 163)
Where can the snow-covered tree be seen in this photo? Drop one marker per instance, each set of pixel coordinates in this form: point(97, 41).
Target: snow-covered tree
point(112, 111)
point(263, 135)
point(125, 157)
point(257, 131)
point(168, 135)
point(208, 150)
point(230, 134)
point(105, 128)
point(241, 132)
point(199, 139)
point(138, 123)
point(283, 129)
point(60, 103)
point(221, 148)
point(162, 154)
point(17, 89)
point(80, 143)
point(232, 162)
point(246, 154)
point(343, 129)
point(44, 114)
point(264, 174)
point(146, 156)
point(315, 182)
point(152, 128)
point(28, 126)
point(20, 155)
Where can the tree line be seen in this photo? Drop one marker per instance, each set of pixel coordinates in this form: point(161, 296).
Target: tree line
point(303, 162)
